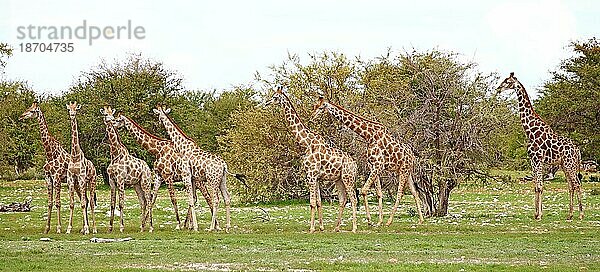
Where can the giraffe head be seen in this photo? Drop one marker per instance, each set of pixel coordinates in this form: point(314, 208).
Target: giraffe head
point(118, 121)
point(319, 107)
point(73, 107)
point(109, 114)
point(32, 112)
point(276, 98)
point(509, 83)
point(161, 110)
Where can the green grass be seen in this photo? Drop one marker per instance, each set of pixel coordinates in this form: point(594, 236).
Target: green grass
point(490, 227)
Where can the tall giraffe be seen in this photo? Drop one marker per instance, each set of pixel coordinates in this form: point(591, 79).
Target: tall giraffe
point(169, 164)
point(384, 153)
point(55, 168)
point(206, 167)
point(81, 175)
point(125, 169)
point(545, 148)
point(321, 163)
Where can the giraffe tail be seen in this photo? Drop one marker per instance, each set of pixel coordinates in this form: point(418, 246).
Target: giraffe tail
point(240, 177)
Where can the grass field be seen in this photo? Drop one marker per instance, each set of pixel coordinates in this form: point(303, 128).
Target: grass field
point(490, 227)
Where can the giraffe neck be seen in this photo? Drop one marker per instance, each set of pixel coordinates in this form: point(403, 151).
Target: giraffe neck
point(363, 127)
point(302, 134)
point(144, 138)
point(530, 120)
point(75, 148)
point(45, 135)
point(179, 138)
point(117, 149)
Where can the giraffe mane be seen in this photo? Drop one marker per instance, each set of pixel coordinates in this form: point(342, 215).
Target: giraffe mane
point(144, 130)
point(358, 116)
point(179, 129)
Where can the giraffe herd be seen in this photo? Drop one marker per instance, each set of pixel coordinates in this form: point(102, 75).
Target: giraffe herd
point(179, 159)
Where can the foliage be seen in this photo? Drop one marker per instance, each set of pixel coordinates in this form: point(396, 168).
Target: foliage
point(20, 140)
point(445, 109)
point(570, 101)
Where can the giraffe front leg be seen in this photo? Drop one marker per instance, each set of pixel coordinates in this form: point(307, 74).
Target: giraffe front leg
point(50, 187)
point(403, 179)
point(113, 198)
point(342, 199)
point(84, 201)
point(71, 184)
point(571, 195)
point(539, 188)
point(312, 188)
point(364, 191)
point(121, 188)
point(319, 207)
point(56, 184)
point(140, 195)
point(92, 184)
point(191, 191)
point(147, 191)
point(379, 201)
point(413, 191)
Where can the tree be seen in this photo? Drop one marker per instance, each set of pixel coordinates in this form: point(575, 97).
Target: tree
point(20, 140)
point(570, 101)
point(445, 109)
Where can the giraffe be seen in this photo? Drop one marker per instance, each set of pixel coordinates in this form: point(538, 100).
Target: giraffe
point(384, 153)
point(545, 148)
point(207, 170)
point(321, 162)
point(81, 175)
point(125, 169)
point(55, 168)
point(170, 165)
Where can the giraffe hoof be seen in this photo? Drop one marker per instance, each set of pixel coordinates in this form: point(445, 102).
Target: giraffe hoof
point(68, 230)
point(581, 216)
point(388, 223)
point(354, 230)
point(95, 231)
point(337, 229)
point(177, 227)
point(321, 228)
point(570, 218)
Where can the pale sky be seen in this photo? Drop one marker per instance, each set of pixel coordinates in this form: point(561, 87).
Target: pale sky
point(219, 44)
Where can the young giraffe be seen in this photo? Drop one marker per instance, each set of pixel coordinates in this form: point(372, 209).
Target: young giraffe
point(125, 169)
point(546, 148)
point(169, 164)
point(322, 163)
point(205, 166)
point(81, 175)
point(55, 168)
point(384, 153)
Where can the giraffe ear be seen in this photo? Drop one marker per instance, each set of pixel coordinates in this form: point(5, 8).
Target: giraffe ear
point(512, 74)
point(156, 111)
point(167, 111)
point(102, 111)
